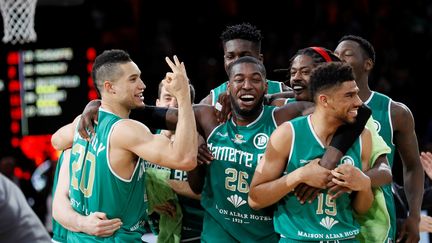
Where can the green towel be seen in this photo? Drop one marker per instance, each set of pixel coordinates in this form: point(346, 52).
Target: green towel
point(159, 192)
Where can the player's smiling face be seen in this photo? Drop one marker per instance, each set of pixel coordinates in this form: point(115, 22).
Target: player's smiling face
point(300, 72)
point(247, 87)
point(130, 87)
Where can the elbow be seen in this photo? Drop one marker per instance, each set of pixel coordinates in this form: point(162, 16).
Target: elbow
point(253, 202)
point(188, 164)
point(388, 178)
point(56, 142)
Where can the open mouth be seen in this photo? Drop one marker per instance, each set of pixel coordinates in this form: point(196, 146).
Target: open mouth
point(140, 96)
point(298, 88)
point(353, 113)
point(247, 98)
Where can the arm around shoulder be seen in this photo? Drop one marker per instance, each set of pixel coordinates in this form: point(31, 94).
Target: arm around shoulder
point(63, 138)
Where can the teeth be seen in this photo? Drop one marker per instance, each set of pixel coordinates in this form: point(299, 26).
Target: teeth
point(246, 96)
point(297, 87)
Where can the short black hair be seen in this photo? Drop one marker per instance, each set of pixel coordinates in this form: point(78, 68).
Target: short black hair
point(329, 75)
point(366, 46)
point(244, 31)
point(318, 54)
point(105, 66)
point(248, 59)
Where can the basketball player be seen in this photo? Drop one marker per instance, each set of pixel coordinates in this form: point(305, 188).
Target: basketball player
point(287, 162)
point(395, 124)
point(112, 180)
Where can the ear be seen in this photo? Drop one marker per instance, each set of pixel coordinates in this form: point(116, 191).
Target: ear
point(228, 87)
point(261, 57)
point(157, 102)
point(265, 86)
point(109, 87)
point(368, 65)
point(323, 99)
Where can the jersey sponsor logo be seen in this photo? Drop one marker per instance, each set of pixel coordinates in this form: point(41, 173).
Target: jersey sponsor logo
point(232, 155)
point(224, 135)
point(236, 200)
point(328, 222)
point(376, 125)
point(347, 160)
point(304, 161)
point(238, 139)
point(260, 140)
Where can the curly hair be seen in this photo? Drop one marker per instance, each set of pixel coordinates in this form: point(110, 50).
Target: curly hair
point(329, 75)
point(244, 31)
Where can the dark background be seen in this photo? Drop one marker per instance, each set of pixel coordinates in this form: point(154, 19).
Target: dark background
point(401, 32)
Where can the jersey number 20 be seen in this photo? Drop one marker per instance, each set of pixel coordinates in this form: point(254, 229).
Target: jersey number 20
point(85, 184)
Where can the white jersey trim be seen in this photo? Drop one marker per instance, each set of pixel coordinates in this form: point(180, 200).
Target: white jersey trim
point(108, 161)
point(313, 131)
point(292, 143)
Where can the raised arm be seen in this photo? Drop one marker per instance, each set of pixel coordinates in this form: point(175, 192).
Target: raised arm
point(94, 224)
point(179, 154)
point(268, 186)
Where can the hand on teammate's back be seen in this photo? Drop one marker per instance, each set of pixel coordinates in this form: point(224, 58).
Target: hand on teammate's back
point(204, 156)
point(223, 108)
point(88, 117)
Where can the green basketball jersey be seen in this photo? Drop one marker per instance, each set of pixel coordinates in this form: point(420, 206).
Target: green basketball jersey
point(193, 213)
point(273, 87)
point(236, 151)
point(290, 100)
point(323, 219)
point(59, 233)
point(94, 186)
point(380, 106)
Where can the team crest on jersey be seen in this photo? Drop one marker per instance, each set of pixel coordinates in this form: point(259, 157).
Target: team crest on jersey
point(377, 125)
point(347, 160)
point(328, 222)
point(236, 200)
point(238, 139)
point(260, 140)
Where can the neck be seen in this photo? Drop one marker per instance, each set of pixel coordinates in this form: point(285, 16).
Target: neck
point(245, 118)
point(115, 108)
point(363, 85)
point(324, 125)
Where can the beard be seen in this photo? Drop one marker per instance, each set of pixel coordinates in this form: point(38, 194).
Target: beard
point(247, 114)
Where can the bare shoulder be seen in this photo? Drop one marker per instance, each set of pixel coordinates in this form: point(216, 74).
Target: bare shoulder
point(401, 116)
point(129, 129)
point(282, 135)
point(291, 110)
point(207, 100)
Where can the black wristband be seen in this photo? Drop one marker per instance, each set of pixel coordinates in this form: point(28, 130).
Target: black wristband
point(151, 116)
point(346, 134)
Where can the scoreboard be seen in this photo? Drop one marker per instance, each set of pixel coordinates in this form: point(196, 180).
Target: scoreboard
point(40, 91)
